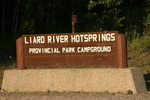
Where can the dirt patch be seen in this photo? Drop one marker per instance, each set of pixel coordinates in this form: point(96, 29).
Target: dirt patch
point(73, 96)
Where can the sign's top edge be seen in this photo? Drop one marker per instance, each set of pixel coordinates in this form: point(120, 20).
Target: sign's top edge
point(72, 33)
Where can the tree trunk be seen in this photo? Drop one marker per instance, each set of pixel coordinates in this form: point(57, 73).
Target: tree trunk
point(17, 14)
point(15, 25)
point(53, 17)
point(47, 29)
point(15, 18)
point(3, 20)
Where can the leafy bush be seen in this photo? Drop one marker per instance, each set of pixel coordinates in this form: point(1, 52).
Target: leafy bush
point(140, 44)
point(129, 92)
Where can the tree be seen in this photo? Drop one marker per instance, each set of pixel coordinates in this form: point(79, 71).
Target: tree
point(3, 16)
point(127, 16)
point(15, 18)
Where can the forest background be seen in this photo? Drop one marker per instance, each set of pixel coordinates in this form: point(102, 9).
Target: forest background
point(129, 17)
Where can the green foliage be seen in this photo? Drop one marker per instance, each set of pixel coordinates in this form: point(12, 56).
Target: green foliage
point(107, 92)
point(48, 91)
point(138, 51)
point(129, 92)
point(53, 16)
point(125, 16)
point(28, 26)
point(140, 44)
point(147, 17)
point(107, 3)
point(7, 51)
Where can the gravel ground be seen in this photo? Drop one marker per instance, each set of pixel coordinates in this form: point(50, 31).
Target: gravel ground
point(73, 96)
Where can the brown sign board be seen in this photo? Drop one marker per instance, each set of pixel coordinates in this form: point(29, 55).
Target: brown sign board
point(74, 18)
point(67, 49)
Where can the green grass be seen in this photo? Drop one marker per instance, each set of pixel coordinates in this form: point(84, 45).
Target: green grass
point(139, 51)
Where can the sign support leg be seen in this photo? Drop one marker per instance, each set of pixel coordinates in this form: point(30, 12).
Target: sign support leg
point(20, 54)
point(73, 27)
point(121, 58)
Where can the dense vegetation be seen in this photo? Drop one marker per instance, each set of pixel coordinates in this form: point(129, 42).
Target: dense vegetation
point(130, 17)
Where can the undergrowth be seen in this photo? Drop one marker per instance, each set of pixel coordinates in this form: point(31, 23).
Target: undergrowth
point(139, 51)
point(140, 44)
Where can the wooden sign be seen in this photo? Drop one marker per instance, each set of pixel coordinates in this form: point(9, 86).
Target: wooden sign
point(74, 18)
point(78, 49)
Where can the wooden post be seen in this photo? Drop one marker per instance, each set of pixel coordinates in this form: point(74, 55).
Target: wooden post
point(20, 54)
point(74, 20)
point(121, 46)
point(73, 27)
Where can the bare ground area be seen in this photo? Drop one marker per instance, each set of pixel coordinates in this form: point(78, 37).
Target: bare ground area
point(73, 96)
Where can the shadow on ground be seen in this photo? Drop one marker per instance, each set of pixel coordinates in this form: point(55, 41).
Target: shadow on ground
point(147, 81)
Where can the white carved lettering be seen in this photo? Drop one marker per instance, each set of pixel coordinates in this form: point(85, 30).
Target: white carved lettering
point(34, 50)
point(68, 49)
point(84, 38)
point(62, 38)
point(108, 37)
point(49, 39)
point(94, 49)
point(26, 42)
